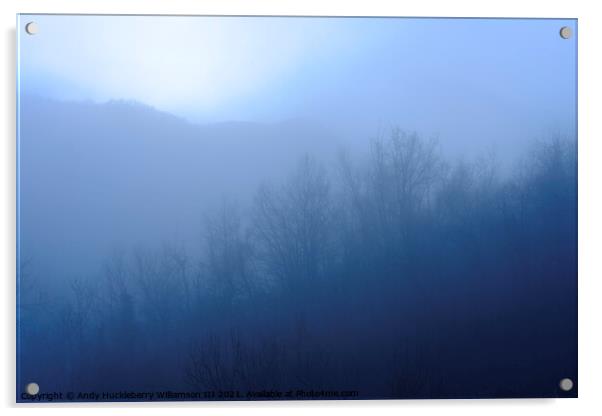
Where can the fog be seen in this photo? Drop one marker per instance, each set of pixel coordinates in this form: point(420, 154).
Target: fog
point(239, 204)
point(476, 84)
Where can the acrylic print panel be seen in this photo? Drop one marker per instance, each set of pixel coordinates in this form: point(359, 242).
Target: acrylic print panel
point(271, 208)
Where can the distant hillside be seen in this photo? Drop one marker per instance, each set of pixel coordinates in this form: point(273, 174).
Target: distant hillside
point(122, 173)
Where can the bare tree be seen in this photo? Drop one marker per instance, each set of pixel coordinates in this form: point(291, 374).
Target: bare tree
point(404, 170)
point(293, 226)
point(228, 254)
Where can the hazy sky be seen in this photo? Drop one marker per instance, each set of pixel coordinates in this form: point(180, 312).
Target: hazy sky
point(458, 79)
point(477, 85)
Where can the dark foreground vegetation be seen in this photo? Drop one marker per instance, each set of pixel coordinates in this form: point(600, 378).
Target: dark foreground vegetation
point(399, 275)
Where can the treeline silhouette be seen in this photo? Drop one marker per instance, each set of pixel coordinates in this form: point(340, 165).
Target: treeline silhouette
point(398, 275)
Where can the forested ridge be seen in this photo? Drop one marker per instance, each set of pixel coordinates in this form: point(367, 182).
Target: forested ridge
point(398, 274)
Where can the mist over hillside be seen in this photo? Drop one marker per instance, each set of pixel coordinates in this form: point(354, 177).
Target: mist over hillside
point(241, 257)
point(87, 169)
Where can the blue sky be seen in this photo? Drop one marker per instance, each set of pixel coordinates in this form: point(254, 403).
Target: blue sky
point(495, 81)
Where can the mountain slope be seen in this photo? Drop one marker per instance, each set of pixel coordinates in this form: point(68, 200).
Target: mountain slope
point(98, 176)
